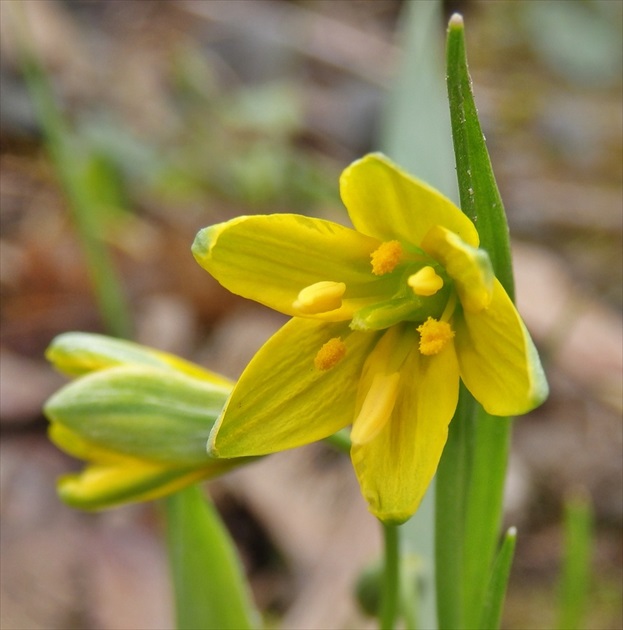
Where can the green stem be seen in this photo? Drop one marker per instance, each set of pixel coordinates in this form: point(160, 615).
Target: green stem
point(391, 578)
point(340, 441)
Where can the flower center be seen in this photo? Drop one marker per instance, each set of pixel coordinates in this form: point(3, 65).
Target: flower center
point(320, 297)
point(386, 257)
point(425, 282)
point(330, 354)
point(434, 336)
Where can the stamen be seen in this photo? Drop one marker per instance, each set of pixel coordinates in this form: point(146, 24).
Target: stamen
point(330, 354)
point(386, 257)
point(320, 297)
point(425, 282)
point(376, 409)
point(434, 336)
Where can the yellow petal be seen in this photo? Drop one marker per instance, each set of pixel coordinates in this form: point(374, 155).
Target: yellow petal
point(469, 267)
point(283, 400)
point(396, 467)
point(271, 259)
point(76, 353)
point(111, 478)
point(104, 486)
point(376, 409)
point(385, 202)
point(499, 363)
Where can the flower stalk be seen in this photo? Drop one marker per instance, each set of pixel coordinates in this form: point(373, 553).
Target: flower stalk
point(391, 590)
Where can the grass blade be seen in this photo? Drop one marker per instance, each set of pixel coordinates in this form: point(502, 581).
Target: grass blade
point(494, 602)
point(575, 579)
point(489, 441)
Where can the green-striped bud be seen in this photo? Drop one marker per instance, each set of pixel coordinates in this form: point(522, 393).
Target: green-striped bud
point(139, 418)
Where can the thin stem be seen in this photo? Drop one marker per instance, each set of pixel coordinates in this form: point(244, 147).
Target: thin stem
point(391, 578)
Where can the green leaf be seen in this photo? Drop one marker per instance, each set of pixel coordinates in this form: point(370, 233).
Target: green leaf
point(494, 602)
point(575, 579)
point(490, 443)
point(452, 487)
point(415, 128)
point(478, 190)
point(210, 590)
point(487, 441)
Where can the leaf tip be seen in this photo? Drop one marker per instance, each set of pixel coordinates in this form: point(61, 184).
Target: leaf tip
point(456, 22)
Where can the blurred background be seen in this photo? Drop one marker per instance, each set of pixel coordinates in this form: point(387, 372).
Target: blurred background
point(181, 114)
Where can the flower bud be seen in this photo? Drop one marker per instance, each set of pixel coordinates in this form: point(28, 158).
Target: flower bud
point(140, 419)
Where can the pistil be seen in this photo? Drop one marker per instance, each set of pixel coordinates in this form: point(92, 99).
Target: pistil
point(425, 282)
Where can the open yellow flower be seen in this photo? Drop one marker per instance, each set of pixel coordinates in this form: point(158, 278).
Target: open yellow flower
point(386, 318)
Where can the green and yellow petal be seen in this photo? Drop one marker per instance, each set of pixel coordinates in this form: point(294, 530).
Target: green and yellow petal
point(144, 412)
point(385, 202)
point(271, 259)
point(76, 353)
point(285, 397)
point(100, 487)
point(498, 361)
point(395, 468)
point(110, 479)
point(468, 266)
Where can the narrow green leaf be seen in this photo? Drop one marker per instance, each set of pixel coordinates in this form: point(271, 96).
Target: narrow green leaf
point(210, 590)
point(416, 125)
point(496, 590)
point(478, 190)
point(452, 488)
point(489, 439)
point(575, 579)
point(484, 502)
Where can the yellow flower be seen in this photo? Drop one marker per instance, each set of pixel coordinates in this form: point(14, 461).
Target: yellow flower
point(386, 318)
point(138, 417)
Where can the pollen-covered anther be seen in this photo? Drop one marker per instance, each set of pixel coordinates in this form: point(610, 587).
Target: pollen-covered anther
point(330, 354)
point(425, 282)
point(376, 409)
point(320, 297)
point(434, 336)
point(385, 257)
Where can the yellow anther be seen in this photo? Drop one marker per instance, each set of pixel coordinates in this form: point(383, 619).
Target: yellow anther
point(425, 282)
point(376, 409)
point(434, 335)
point(330, 354)
point(320, 297)
point(386, 257)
